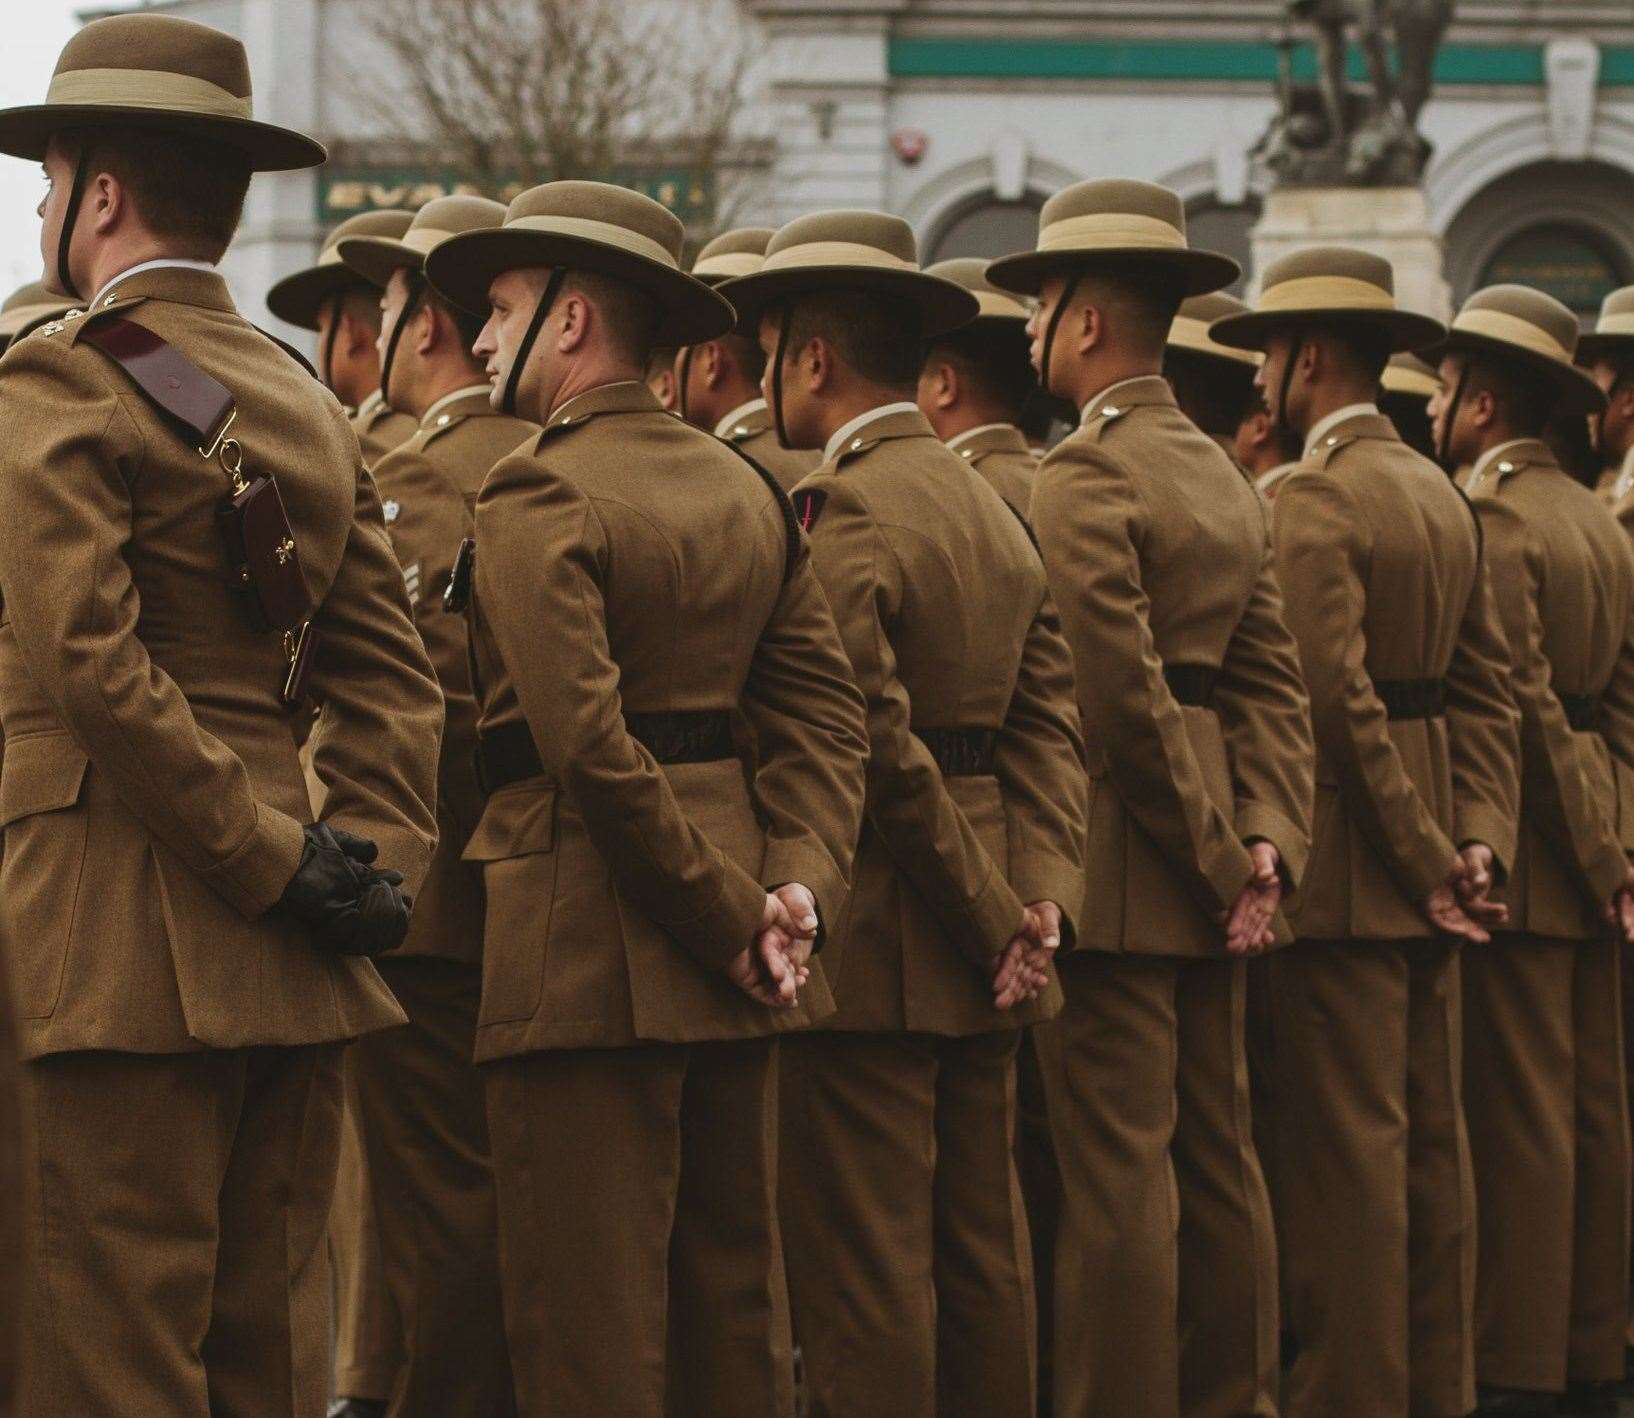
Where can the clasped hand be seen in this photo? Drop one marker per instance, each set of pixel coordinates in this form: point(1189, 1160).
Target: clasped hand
point(350, 907)
point(1022, 970)
point(775, 965)
point(1461, 905)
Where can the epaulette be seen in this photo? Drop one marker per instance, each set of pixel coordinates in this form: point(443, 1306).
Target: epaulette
point(73, 323)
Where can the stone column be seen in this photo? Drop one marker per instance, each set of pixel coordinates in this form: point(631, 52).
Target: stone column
point(1392, 222)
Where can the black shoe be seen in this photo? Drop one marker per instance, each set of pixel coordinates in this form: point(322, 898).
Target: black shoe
point(1593, 1396)
point(1513, 1403)
point(357, 1408)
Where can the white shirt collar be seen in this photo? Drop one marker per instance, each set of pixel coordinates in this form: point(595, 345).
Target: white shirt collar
point(1491, 456)
point(448, 399)
point(1325, 426)
point(960, 439)
point(724, 427)
point(1101, 398)
point(178, 261)
point(1625, 478)
point(371, 402)
point(846, 432)
point(1269, 479)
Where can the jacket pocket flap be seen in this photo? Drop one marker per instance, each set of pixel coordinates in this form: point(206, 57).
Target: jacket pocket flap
point(519, 821)
point(40, 773)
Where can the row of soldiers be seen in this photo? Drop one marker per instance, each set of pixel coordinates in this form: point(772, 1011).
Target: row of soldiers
point(661, 842)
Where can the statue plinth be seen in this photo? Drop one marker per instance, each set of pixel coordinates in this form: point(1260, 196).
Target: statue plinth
point(1392, 222)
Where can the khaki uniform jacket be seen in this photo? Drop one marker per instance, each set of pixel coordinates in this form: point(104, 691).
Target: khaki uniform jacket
point(1382, 576)
point(429, 488)
point(626, 560)
point(942, 602)
point(151, 793)
point(1562, 574)
point(1159, 554)
point(755, 434)
point(1002, 456)
point(380, 429)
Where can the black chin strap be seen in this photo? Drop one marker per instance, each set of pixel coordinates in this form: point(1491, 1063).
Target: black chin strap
point(70, 219)
point(1045, 356)
point(784, 320)
point(326, 355)
point(416, 292)
point(1449, 416)
point(1279, 415)
point(541, 312)
point(683, 379)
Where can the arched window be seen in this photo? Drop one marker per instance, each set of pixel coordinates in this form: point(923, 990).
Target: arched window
point(1572, 263)
point(988, 228)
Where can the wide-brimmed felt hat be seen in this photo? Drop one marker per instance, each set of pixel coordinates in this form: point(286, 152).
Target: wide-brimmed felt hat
point(732, 254)
point(1517, 325)
point(28, 305)
point(302, 294)
point(991, 302)
point(587, 226)
point(159, 72)
point(375, 257)
point(1114, 224)
point(863, 251)
point(1411, 377)
point(1190, 330)
point(1328, 286)
point(1613, 332)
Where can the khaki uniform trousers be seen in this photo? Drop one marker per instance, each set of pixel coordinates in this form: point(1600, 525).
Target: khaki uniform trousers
point(910, 1264)
point(638, 1243)
point(1041, 1191)
point(1548, 1128)
point(1374, 1189)
point(368, 1355)
point(1166, 1263)
point(178, 1205)
point(425, 1133)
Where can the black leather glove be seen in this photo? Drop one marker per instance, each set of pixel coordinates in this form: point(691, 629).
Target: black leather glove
point(349, 907)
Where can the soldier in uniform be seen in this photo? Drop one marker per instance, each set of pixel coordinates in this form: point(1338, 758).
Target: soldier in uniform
point(909, 1262)
point(1416, 802)
point(718, 382)
point(420, 1103)
point(1543, 1066)
point(344, 310)
point(1263, 448)
point(1213, 384)
point(28, 307)
point(650, 915)
point(1158, 553)
point(977, 384)
point(185, 944)
point(1405, 391)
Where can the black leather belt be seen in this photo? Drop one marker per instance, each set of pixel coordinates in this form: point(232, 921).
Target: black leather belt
point(1412, 698)
point(1582, 711)
point(1192, 685)
point(507, 755)
point(961, 753)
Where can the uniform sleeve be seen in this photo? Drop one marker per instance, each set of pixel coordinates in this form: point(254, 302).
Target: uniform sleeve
point(1320, 551)
point(811, 742)
point(1483, 726)
point(1617, 724)
point(1560, 802)
point(1040, 766)
point(544, 564)
point(1265, 716)
point(928, 836)
point(380, 713)
point(1090, 522)
point(427, 534)
point(68, 454)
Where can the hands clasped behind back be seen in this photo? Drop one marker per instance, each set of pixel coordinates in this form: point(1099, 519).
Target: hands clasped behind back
point(350, 907)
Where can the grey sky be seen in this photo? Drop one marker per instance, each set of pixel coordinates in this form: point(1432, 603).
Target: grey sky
point(32, 34)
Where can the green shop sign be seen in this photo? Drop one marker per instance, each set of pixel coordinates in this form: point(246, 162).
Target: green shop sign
point(345, 190)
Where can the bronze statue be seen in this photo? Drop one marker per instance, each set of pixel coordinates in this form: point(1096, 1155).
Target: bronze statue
point(1335, 135)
